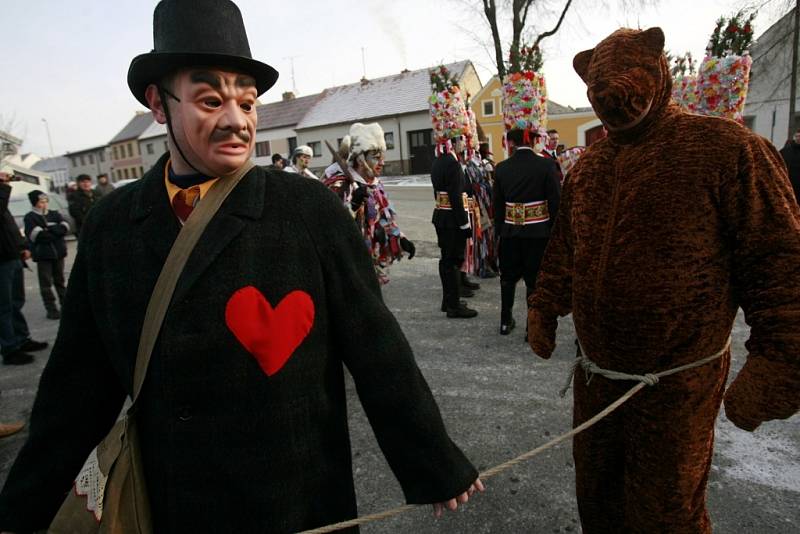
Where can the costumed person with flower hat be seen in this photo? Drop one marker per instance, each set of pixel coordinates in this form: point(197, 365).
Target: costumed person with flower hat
point(242, 419)
point(527, 190)
point(660, 239)
point(450, 215)
point(301, 158)
point(355, 178)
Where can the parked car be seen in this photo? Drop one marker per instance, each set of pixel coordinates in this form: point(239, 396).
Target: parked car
point(19, 204)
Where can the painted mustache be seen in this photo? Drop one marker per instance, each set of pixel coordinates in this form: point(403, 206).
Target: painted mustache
point(220, 136)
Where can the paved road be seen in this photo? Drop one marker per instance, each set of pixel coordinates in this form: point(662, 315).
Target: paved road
point(498, 401)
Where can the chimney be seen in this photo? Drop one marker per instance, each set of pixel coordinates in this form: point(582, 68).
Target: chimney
point(288, 95)
point(364, 81)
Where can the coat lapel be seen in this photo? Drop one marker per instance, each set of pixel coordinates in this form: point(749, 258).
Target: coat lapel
point(245, 202)
point(154, 220)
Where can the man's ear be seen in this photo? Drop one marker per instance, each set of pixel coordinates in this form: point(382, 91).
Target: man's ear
point(581, 63)
point(153, 97)
point(653, 39)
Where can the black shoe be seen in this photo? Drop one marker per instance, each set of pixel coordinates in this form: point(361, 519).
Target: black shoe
point(466, 292)
point(53, 314)
point(462, 312)
point(18, 357)
point(32, 346)
point(506, 329)
point(465, 282)
point(460, 303)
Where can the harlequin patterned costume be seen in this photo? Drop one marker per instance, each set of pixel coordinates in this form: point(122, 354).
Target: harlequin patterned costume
point(659, 240)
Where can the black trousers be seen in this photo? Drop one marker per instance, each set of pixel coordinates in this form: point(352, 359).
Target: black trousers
point(519, 257)
point(51, 273)
point(452, 242)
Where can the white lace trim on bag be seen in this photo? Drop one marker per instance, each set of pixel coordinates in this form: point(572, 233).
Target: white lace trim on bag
point(91, 483)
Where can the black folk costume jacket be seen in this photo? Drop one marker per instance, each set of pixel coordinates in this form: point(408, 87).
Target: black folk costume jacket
point(526, 178)
point(233, 440)
point(447, 176)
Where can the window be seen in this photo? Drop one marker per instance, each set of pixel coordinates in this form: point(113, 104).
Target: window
point(292, 144)
point(316, 147)
point(339, 141)
point(389, 138)
point(750, 122)
point(150, 148)
point(91, 159)
point(488, 108)
point(130, 150)
point(263, 149)
point(83, 161)
point(126, 173)
point(114, 153)
point(74, 161)
point(141, 171)
point(101, 157)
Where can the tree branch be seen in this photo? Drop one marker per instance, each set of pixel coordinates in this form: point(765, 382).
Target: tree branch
point(558, 25)
point(490, 10)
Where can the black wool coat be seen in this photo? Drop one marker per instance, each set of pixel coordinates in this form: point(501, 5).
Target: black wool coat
point(791, 156)
point(525, 177)
point(231, 443)
point(448, 176)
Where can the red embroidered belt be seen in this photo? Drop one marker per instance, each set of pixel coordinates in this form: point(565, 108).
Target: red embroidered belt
point(522, 213)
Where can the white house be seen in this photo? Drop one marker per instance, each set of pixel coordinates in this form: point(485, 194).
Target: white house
point(767, 107)
point(399, 103)
point(275, 131)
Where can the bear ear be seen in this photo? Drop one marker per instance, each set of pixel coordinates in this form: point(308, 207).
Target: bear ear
point(581, 63)
point(653, 39)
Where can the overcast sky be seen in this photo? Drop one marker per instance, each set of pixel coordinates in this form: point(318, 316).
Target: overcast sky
point(66, 62)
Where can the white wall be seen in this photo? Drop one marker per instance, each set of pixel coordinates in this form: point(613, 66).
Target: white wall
point(278, 138)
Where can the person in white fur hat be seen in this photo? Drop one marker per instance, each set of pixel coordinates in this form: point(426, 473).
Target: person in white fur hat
point(354, 177)
point(301, 158)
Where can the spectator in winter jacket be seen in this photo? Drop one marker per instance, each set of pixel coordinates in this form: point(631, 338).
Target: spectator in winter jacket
point(82, 200)
point(791, 155)
point(104, 187)
point(45, 231)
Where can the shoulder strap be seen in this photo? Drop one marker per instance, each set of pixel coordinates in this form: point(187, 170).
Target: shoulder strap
point(165, 286)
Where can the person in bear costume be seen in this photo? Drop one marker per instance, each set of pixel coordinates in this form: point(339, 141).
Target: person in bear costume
point(660, 238)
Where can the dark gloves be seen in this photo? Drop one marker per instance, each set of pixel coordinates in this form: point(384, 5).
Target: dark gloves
point(408, 246)
point(45, 237)
point(57, 230)
point(380, 234)
point(359, 197)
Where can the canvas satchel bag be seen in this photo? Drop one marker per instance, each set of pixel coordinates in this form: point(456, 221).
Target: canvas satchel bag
point(109, 495)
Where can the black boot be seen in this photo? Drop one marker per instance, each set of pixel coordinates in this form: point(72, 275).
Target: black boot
point(455, 308)
point(465, 282)
point(507, 323)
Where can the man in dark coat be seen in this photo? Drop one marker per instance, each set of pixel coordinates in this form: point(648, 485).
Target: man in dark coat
point(242, 417)
point(81, 201)
point(15, 339)
point(527, 191)
point(45, 230)
point(791, 155)
point(452, 228)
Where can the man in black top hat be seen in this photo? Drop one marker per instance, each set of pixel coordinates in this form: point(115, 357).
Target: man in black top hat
point(526, 196)
point(242, 417)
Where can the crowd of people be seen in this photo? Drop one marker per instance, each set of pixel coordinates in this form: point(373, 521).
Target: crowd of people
point(277, 295)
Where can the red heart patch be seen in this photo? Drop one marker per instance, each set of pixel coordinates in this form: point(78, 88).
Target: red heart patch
point(270, 334)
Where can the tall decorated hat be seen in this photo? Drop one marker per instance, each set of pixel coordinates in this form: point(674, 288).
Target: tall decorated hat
point(473, 134)
point(448, 109)
point(525, 94)
point(721, 85)
point(196, 33)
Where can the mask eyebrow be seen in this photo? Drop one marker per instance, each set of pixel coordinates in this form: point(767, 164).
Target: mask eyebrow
point(202, 76)
point(245, 81)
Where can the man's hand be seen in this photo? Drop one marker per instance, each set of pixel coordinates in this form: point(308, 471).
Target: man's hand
point(541, 333)
point(739, 408)
point(452, 504)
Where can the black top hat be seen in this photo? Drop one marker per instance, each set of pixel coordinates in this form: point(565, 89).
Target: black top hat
point(189, 33)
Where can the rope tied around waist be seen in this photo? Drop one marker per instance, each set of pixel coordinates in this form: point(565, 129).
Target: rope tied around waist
point(649, 379)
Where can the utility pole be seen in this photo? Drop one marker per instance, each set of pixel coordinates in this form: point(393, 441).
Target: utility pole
point(793, 86)
point(291, 61)
point(49, 140)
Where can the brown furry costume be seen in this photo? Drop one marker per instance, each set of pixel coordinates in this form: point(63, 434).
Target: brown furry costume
point(666, 228)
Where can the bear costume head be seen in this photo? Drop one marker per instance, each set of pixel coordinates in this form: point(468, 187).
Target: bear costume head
point(627, 78)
